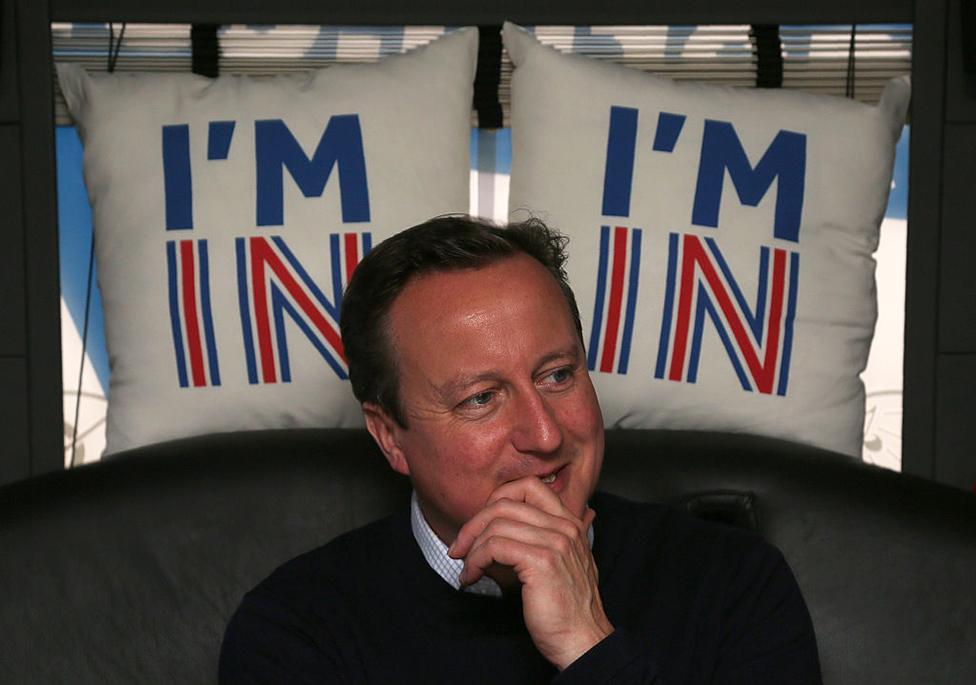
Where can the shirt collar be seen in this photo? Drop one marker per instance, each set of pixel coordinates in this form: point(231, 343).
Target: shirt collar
point(435, 552)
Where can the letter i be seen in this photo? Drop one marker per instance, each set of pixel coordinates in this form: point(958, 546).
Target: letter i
point(177, 182)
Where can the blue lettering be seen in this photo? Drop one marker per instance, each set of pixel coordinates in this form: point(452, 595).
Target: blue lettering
point(341, 145)
point(668, 129)
point(219, 135)
point(619, 171)
point(785, 159)
point(177, 184)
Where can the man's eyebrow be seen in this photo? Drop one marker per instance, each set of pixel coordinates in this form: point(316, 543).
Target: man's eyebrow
point(457, 384)
point(453, 386)
point(572, 353)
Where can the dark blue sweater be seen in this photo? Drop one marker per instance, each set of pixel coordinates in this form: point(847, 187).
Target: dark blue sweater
point(691, 602)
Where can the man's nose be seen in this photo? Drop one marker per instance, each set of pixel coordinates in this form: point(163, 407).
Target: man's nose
point(535, 428)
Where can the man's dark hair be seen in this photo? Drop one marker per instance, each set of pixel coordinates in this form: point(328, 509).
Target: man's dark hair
point(445, 243)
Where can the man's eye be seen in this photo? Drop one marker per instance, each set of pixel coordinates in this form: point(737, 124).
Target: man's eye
point(559, 376)
point(479, 400)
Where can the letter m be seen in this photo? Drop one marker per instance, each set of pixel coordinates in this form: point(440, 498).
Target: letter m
point(341, 145)
point(785, 159)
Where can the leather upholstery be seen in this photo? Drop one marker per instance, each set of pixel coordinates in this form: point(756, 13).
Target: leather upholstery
point(127, 570)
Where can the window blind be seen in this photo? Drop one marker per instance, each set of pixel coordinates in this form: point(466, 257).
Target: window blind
point(815, 58)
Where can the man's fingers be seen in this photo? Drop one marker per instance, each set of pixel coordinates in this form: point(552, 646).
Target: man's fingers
point(565, 543)
point(588, 517)
point(532, 491)
point(498, 549)
point(506, 509)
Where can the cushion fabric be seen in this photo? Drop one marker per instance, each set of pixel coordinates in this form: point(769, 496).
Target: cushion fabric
point(721, 240)
point(229, 214)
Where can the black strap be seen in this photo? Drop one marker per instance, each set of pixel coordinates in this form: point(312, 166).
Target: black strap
point(206, 49)
point(849, 88)
point(968, 23)
point(769, 55)
point(488, 76)
point(114, 46)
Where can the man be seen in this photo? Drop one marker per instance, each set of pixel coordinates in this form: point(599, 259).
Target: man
point(465, 348)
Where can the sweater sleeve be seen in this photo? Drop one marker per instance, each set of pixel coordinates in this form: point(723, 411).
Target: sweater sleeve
point(618, 659)
point(760, 633)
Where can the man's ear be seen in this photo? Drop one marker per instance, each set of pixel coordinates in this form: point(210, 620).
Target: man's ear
point(386, 431)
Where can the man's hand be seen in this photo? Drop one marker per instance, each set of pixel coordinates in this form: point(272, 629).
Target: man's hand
point(524, 526)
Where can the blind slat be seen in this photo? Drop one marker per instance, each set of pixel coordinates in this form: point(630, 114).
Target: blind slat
point(814, 58)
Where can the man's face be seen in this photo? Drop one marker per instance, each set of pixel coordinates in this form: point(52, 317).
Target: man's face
point(494, 386)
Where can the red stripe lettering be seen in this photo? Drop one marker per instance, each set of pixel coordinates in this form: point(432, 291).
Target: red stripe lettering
point(263, 251)
point(775, 322)
point(684, 309)
point(616, 297)
point(762, 372)
point(190, 313)
point(352, 253)
point(259, 249)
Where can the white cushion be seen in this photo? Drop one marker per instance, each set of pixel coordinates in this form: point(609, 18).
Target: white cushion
point(229, 212)
point(686, 204)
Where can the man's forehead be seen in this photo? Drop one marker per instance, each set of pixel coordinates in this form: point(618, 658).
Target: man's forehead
point(477, 286)
point(487, 310)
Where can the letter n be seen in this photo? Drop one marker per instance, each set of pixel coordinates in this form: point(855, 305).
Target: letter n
point(273, 284)
point(758, 339)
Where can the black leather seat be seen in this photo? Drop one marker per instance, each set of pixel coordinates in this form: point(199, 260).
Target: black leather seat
point(127, 571)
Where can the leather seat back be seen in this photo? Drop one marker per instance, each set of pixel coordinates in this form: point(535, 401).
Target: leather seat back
point(128, 570)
